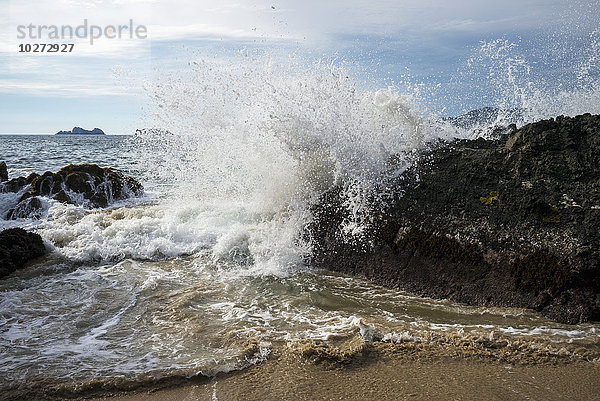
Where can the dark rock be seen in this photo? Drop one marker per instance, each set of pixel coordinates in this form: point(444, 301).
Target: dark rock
point(86, 184)
point(16, 184)
point(3, 172)
point(540, 271)
point(63, 197)
point(99, 200)
point(509, 222)
point(28, 208)
point(81, 131)
point(79, 182)
point(17, 247)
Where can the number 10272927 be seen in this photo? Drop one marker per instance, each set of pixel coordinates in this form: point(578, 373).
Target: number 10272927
point(46, 47)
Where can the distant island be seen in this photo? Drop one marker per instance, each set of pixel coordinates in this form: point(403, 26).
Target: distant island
point(81, 131)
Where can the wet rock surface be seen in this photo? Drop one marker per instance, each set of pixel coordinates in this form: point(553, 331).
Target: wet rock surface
point(27, 208)
point(512, 222)
point(17, 248)
point(88, 185)
point(3, 172)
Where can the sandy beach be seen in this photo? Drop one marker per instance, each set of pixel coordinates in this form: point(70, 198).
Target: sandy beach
point(381, 372)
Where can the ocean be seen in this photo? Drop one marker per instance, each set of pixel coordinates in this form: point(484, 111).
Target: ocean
point(209, 271)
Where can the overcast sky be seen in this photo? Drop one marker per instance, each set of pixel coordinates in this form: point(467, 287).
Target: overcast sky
point(431, 42)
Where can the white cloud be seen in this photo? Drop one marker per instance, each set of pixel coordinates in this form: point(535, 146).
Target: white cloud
point(311, 23)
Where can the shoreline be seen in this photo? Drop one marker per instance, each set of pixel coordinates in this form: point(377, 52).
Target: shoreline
point(353, 369)
point(344, 366)
point(383, 373)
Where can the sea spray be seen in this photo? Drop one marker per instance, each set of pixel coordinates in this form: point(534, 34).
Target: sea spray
point(527, 82)
point(270, 136)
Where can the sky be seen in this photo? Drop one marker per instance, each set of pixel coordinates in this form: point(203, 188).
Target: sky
point(438, 46)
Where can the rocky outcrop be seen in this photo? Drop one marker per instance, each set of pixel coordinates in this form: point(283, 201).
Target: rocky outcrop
point(3, 172)
point(88, 185)
point(17, 248)
point(81, 131)
point(28, 208)
point(508, 222)
point(16, 184)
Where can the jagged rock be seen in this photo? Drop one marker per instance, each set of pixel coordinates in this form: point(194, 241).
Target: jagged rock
point(17, 247)
point(508, 222)
point(88, 185)
point(3, 172)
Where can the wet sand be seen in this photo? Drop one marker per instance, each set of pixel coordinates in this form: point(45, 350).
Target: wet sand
point(384, 373)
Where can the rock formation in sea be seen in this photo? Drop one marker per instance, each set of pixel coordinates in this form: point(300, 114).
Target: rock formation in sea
point(512, 222)
point(81, 131)
point(3, 172)
point(87, 185)
point(17, 248)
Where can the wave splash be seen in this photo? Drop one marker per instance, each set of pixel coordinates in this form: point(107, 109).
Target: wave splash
point(244, 147)
point(259, 142)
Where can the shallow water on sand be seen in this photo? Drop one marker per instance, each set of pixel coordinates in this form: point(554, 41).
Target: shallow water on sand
point(67, 324)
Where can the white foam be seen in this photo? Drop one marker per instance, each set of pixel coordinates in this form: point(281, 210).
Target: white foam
point(145, 232)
